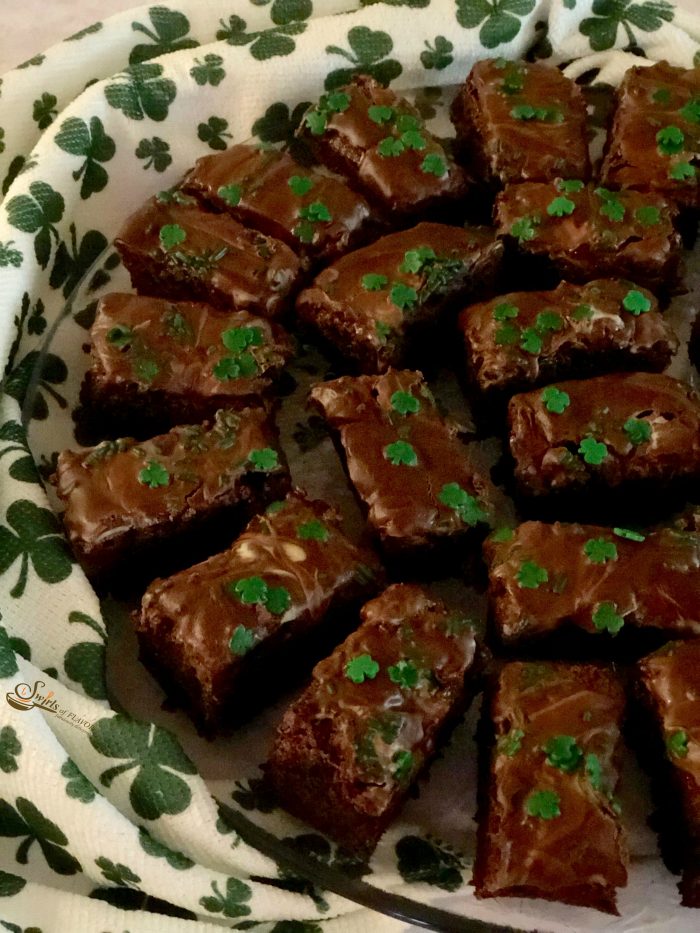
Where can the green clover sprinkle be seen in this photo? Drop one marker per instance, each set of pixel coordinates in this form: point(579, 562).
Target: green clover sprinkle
point(670, 140)
point(146, 370)
point(275, 507)
point(305, 231)
point(403, 296)
point(594, 770)
point(433, 164)
point(403, 673)
point(661, 95)
point(317, 121)
point(415, 259)
point(360, 668)
point(570, 185)
point(231, 194)
point(337, 102)
point(403, 759)
point(513, 83)
point(237, 339)
point(612, 207)
point(563, 752)
point(636, 303)
point(600, 550)
point(300, 184)
point(154, 474)
point(531, 575)
point(465, 505)
point(629, 535)
point(502, 535)
point(374, 281)
point(313, 530)
point(524, 228)
point(592, 451)
point(582, 313)
point(120, 335)
point(638, 431)
point(405, 403)
point(277, 600)
point(507, 335)
point(383, 331)
point(530, 340)
point(543, 804)
point(412, 139)
point(249, 590)
point(227, 368)
point(406, 123)
point(264, 459)
point(316, 212)
point(548, 320)
point(691, 110)
point(504, 311)
point(524, 112)
point(555, 400)
point(378, 113)
point(510, 743)
point(677, 743)
point(171, 235)
point(607, 619)
point(682, 171)
point(648, 215)
point(241, 641)
point(390, 147)
point(401, 453)
point(560, 207)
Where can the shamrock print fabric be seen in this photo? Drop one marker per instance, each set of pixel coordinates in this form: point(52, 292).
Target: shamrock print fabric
point(102, 812)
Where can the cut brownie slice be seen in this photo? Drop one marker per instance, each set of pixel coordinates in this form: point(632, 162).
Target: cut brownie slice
point(669, 686)
point(424, 494)
point(381, 302)
point(521, 121)
point(174, 249)
point(138, 507)
point(310, 209)
point(544, 578)
point(586, 232)
point(156, 363)
point(525, 339)
point(548, 821)
point(380, 142)
point(655, 136)
point(228, 634)
point(347, 751)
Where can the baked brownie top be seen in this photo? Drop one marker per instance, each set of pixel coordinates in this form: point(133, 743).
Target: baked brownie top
point(406, 462)
point(509, 337)
point(185, 347)
point(382, 139)
point(619, 427)
point(543, 576)
point(553, 776)
point(530, 121)
point(255, 270)
point(655, 135)
point(312, 211)
point(127, 484)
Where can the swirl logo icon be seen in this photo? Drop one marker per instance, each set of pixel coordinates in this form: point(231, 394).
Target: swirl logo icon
point(25, 697)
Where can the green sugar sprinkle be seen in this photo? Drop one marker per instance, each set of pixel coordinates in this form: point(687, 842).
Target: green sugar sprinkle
point(600, 550)
point(390, 147)
point(120, 335)
point(677, 743)
point(300, 185)
point(433, 164)
point(403, 759)
point(379, 113)
point(405, 403)
point(636, 303)
point(555, 400)
point(570, 185)
point(374, 281)
point(401, 453)
point(171, 235)
point(544, 804)
point(154, 474)
point(313, 530)
point(561, 207)
point(360, 668)
point(531, 576)
point(241, 641)
point(465, 505)
point(404, 673)
point(638, 431)
point(264, 459)
point(607, 619)
point(592, 451)
point(403, 296)
point(510, 743)
point(670, 140)
point(504, 311)
point(629, 535)
point(563, 752)
point(231, 194)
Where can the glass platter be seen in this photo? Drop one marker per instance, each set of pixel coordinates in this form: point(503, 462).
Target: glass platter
point(434, 838)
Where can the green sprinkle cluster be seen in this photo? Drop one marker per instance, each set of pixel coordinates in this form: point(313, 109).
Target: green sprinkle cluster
point(254, 591)
point(612, 208)
point(531, 112)
point(313, 530)
point(310, 215)
point(510, 743)
point(530, 339)
point(465, 505)
point(317, 118)
point(563, 752)
point(240, 363)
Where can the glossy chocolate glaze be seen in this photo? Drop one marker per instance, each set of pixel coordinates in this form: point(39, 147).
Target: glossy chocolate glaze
point(588, 241)
point(502, 148)
point(187, 621)
point(335, 758)
point(218, 260)
point(580, 855)
point(594, 332)
point(349, 145)
point(649, 100)
point(403, 502)
point(545, 444)
point(367, 324)
point(654, 583)
point(264, 199)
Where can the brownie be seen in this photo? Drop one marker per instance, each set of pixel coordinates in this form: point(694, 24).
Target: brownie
point(381, 303)
point(669, 686)
point(228, 634)
point(174, 249)
point(586, 232)
point(425, 498)
point(348, 750)
point(548, 821)
point(547, 578)
point(655, 136)
point(310, 209)
point(521, 121)
point(135, 508)
point(379, 141)
point(156, 362)
point(526, 339)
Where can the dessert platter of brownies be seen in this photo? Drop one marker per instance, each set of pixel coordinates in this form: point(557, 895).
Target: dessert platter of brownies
point(541, 281)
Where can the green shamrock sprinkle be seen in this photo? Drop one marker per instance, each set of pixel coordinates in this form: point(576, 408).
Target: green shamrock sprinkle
point(360, 668)
point(316, 120)
point(465, 505)
point(415, 259)
point(636, 303)
point(390, 147)
point(501, 535)
point(231, 194)
point(277, 600)
point(241, 641)
point(403, 759)
point(648, 215)
point(374, 281)
point(403, 296)
point(607, 619)
point(401, 453)
point(433, 164)
point(629, 535)
point(594, 770)
point(316, 212)
point(238, 339)
point(528, 112)
point(507, 335)
point(682, 171)
point(405, 403)
point(560, 207)
point(379, 113)
point(305, 231)
point(524, 228)
point(555, 400)
point(548, 320)
point(530, 340)
point(264, 459)
point(570, 185)
point(313, 530)
point(661, 95)
point(638, 431)
point(383, 331)
point(600, 550)
point(582, 313)
point(504, 311)
point(403, 673)
point(592, 451)
point(406, 122)
point(171, 235)
point(513, 83)
point(531, 575)
point(227, 368)
point(300, 185)
point(120, 335)
point(670, 140)
point(563, 752)
point(337, 102)
point(543, 804)
point(677, 743)
point(614, 210)
point(510, 743)
point(691, 110)
point(275, 507)
point(412, 139)
point(249, 590)
point(146, 370)
point(154, 474)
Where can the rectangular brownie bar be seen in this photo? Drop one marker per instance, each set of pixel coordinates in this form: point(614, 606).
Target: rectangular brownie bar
point(655, 135)
point(521, 121)
point(526, 339)
point(544, 578)
point(156, 363)
point(376, 305)
point(548, 820)
point(228, 634)
point(146, 505)
point(379, 141)
point(423, 493)
point(586, 232)
point(308, 208)
point(668, 684)
point(174, 249)
point(348, 750)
